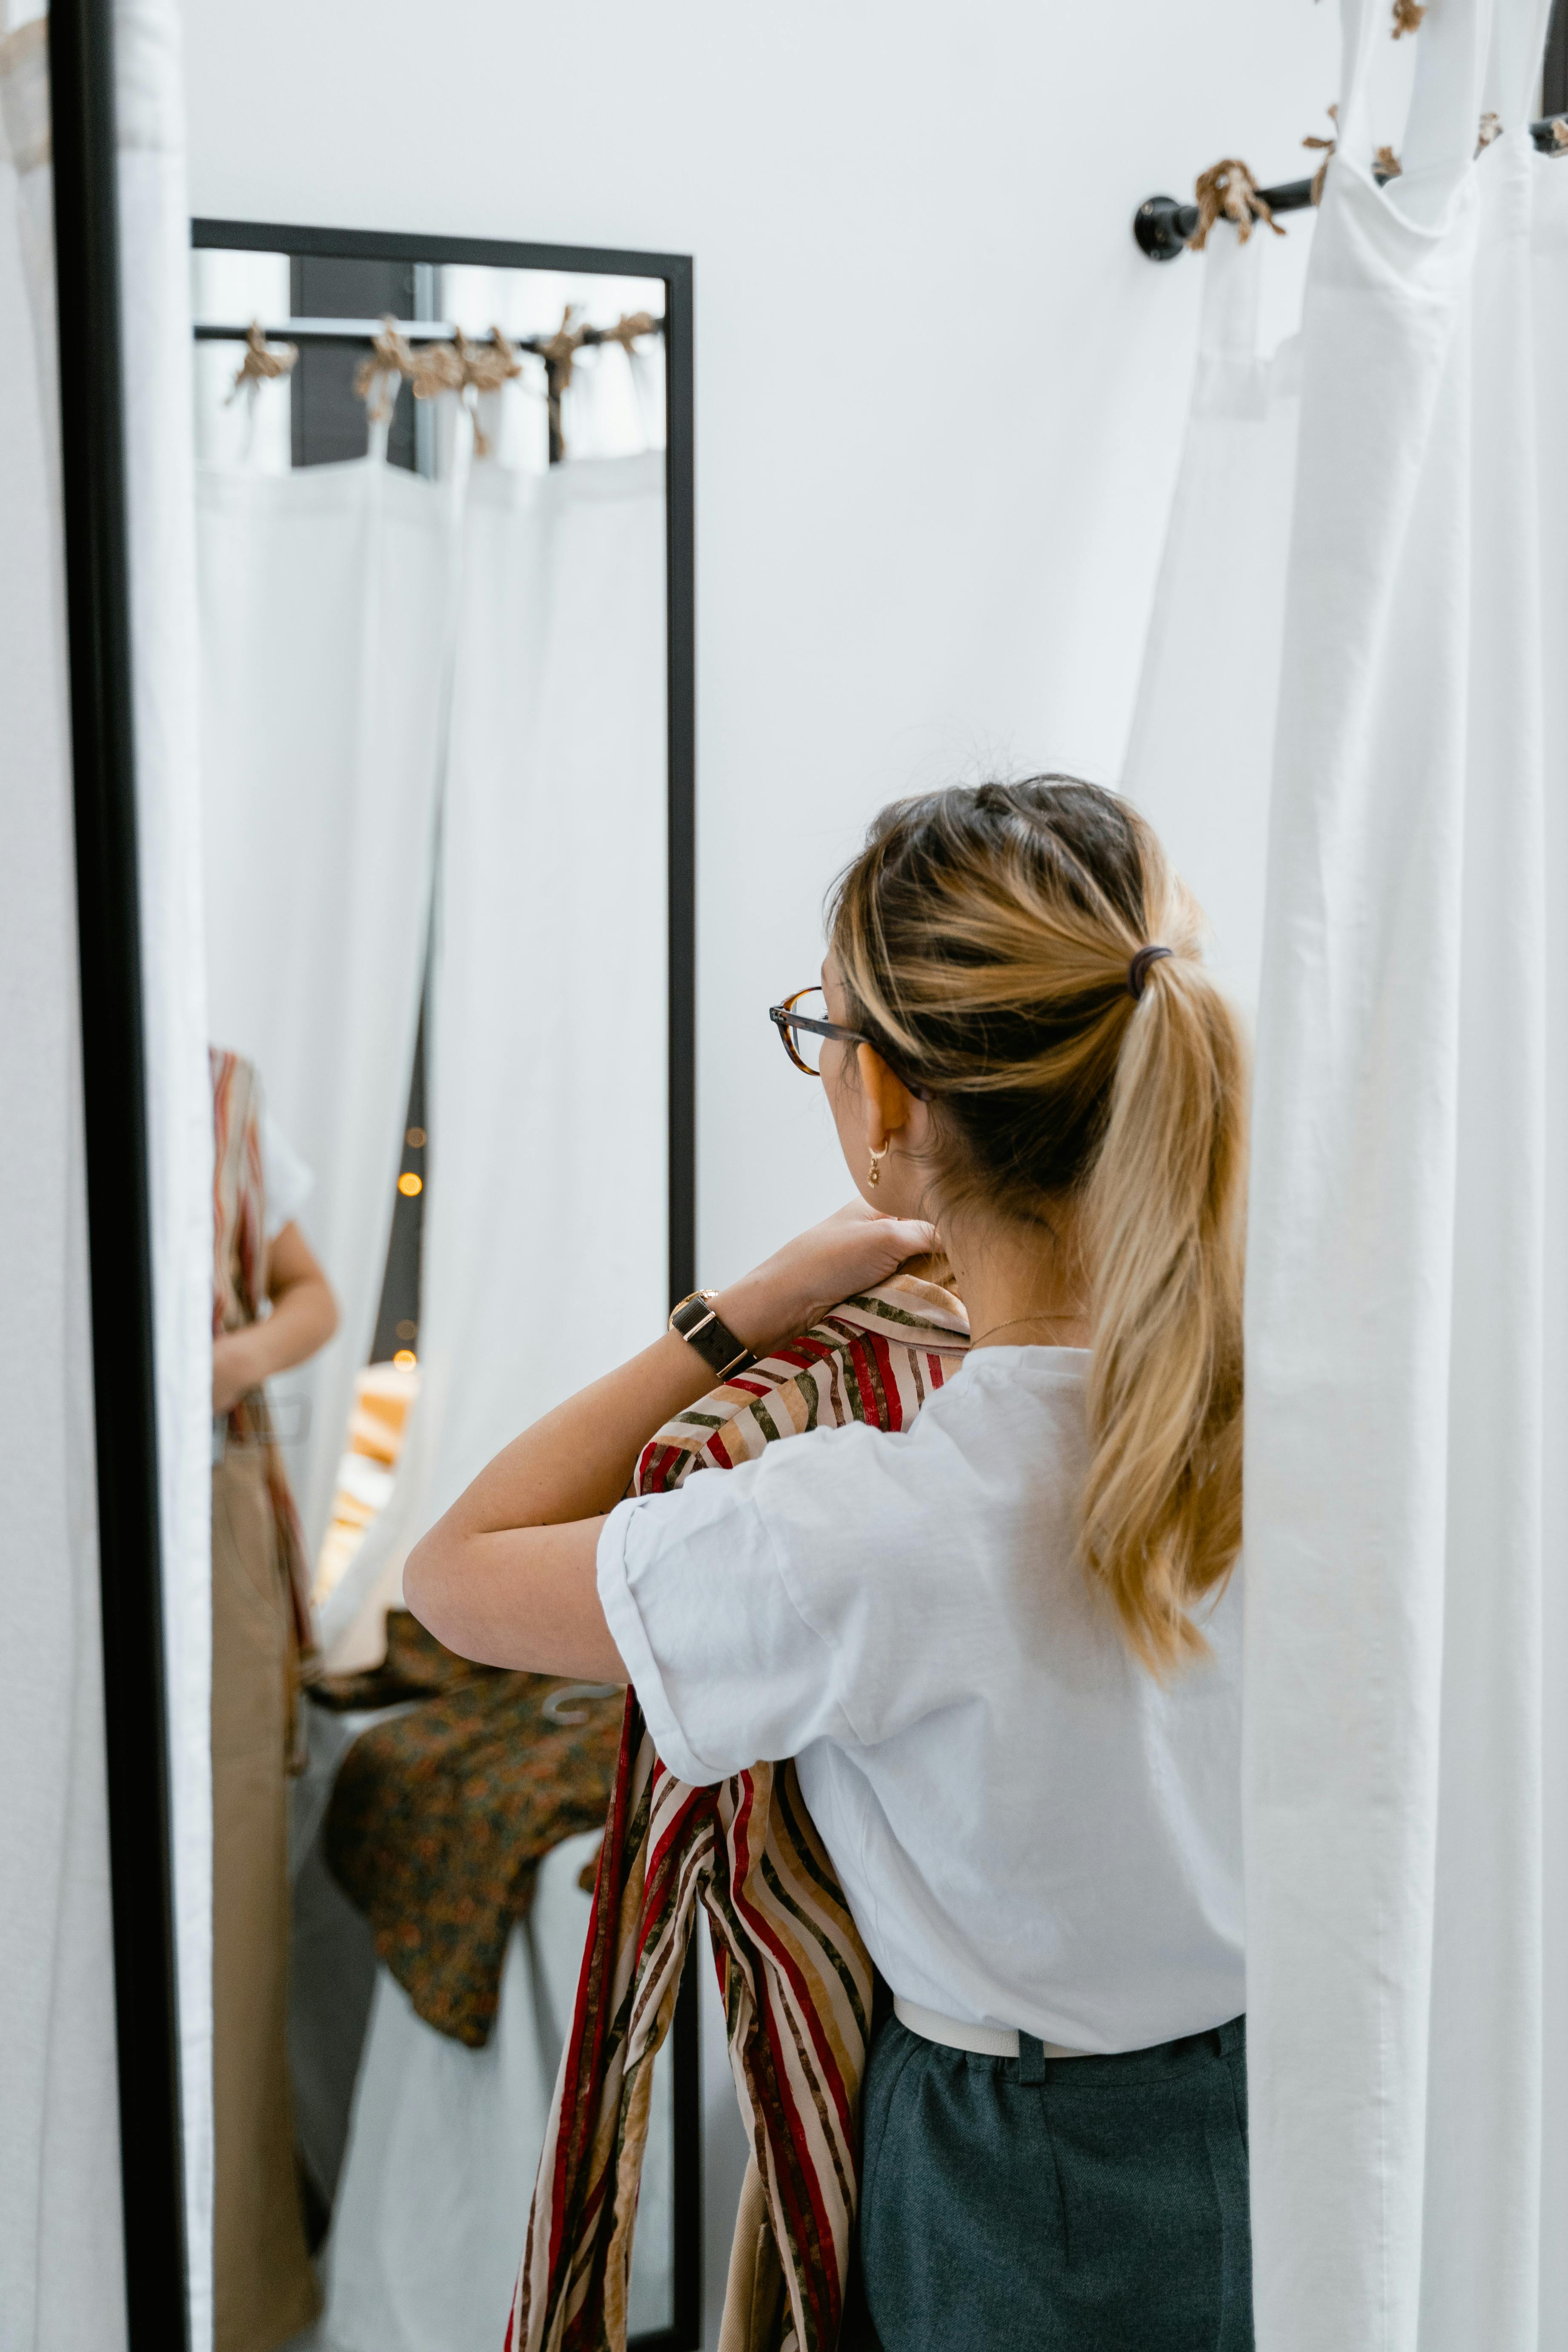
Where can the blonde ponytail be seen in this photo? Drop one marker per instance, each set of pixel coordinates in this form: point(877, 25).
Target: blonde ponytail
point(990, 938)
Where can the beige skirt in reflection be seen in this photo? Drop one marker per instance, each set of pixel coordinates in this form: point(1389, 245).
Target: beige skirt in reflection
point(265, 2289)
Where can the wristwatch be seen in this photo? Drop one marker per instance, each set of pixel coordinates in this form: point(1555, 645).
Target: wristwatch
point(701, 1328)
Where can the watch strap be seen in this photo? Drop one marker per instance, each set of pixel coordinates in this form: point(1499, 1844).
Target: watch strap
point(701, 1327)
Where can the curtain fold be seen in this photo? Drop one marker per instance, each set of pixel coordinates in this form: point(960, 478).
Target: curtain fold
point(549, 1129)
point(1406, 1291)
point(1202, 726)
point(61, 2255)
point(326, 627)
point(545, 1217)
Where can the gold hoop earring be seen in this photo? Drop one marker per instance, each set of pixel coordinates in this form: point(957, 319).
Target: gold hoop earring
point(874, 1176)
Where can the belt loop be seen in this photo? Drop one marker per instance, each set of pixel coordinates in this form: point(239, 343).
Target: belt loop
point(1031, 2059)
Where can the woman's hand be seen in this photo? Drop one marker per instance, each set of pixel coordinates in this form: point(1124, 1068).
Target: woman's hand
point(851, 1251)
point(235, 1368)
point(303, 1318)
point(508, 1575)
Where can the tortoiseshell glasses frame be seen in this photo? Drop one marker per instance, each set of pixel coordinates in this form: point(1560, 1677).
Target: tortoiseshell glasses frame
point(788, 1023)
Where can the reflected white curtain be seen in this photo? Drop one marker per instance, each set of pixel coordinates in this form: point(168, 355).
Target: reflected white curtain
point(451, 2135)
point(545, 1221)
point(1407, 1300)
point(545, 1258)
point(546, 1231)
point(61, 2261)
point(326, 615)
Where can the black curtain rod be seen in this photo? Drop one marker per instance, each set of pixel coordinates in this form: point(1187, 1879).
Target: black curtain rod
point(413, 331)
point(1163, 226)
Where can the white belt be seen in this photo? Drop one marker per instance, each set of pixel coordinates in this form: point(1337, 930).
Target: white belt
point(985, 2040)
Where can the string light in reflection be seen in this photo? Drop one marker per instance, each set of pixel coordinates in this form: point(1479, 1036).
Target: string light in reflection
point(408, 1183)
point(406, 1357)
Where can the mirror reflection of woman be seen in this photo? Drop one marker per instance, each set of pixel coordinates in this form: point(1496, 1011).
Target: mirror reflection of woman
point(1003, 1644)
point(272, 1309)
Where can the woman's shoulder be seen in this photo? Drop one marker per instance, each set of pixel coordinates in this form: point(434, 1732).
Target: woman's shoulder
point(875, 1360)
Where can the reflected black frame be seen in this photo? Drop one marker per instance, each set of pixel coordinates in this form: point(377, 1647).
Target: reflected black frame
point(97, 611)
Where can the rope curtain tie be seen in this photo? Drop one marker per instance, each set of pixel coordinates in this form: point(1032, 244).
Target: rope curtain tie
point(468, 368)
point(1328, 147)
point(630, 327)
point(1163, 226)
point(376, 379)
point(559, 352)
point(1227, 191)
point(263, 362)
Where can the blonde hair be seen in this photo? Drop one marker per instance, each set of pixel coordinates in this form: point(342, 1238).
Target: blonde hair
point(985, 937)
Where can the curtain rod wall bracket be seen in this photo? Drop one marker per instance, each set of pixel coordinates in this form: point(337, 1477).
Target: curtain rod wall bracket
point(1162, 227)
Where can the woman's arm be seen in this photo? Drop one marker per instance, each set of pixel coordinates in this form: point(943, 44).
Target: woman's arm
point(305, 1317)
point(508, 1576)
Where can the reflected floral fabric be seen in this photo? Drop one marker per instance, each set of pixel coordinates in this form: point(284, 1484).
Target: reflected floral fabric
point(795, 1978)
point(440, 1816)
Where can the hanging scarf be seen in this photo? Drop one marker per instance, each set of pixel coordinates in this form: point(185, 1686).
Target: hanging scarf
point(795, 1976)
point(239, 1286)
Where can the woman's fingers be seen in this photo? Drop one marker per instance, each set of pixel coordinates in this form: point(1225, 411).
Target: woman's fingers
point(910, 1235)
point(849, 1250)
point(856, 1212)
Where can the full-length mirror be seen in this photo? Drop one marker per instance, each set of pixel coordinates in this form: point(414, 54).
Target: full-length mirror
point(447, 881)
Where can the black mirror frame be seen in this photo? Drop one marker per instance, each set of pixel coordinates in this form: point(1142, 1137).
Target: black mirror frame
point(81, 68)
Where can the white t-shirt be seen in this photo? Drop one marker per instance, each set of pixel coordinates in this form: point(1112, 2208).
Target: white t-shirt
point(285, 1179)
point(1031, 1831)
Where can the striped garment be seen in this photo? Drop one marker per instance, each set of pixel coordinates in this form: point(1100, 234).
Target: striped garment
point(795, 1976)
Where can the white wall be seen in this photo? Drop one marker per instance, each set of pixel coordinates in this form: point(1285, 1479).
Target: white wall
point(940, 393)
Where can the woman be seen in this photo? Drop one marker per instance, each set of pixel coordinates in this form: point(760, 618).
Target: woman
point(272, 1309)
point(1003, 1644)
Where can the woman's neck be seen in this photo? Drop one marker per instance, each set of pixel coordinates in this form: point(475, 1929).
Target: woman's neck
point(1022, 1285)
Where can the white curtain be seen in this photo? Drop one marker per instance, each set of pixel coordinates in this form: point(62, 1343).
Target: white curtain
point(326, 615)
point(1203, 728)
point(1407, 1301)
point(546, 1224)
point(61, 2261)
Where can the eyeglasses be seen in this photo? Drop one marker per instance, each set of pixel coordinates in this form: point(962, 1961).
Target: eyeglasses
point(803, 1032)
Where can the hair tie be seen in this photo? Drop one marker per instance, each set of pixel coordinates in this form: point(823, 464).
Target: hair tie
point(1137, 971)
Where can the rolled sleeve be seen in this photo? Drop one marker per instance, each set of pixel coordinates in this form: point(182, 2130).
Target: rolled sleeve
point(727, 1670)
point(630, 1637)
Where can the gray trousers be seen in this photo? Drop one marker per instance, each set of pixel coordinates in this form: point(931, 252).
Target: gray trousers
point(1057, 2205)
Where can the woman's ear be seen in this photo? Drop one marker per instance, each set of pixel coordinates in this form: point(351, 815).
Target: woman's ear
point(888, 1101)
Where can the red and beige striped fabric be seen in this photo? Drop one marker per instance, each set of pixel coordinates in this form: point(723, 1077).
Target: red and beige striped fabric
point(794, 1976)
